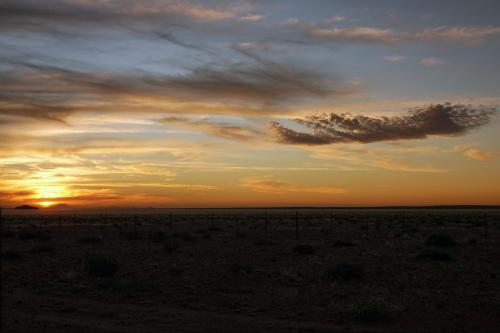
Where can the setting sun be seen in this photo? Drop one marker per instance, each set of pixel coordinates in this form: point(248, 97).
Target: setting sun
point(46, 204)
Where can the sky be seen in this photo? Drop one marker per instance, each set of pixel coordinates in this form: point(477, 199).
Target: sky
point(162, 103)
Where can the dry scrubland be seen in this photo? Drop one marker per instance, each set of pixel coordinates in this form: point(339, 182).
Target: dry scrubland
point(366, 270)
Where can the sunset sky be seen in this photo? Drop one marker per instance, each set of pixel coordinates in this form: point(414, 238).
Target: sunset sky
point(249, 103)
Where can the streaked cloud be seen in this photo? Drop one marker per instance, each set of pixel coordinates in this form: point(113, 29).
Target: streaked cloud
point(269, 185)
point(395, 58)
point(219, 129)
point(470, 151)
point(432, 61)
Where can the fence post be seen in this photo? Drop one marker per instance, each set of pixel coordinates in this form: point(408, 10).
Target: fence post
point(297, 225)
point(485, 225)
point(331, 222)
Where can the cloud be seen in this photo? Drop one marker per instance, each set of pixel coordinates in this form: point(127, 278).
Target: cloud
point(357, 35)
point(419, 123)
point(50, 16)
point(431, 62)
point(395, 58)
point(52, 93)
point(336, 19)
point(267, 185)
point(471, 34)
point(374, 35)
point(218, 129)
point(471, 152)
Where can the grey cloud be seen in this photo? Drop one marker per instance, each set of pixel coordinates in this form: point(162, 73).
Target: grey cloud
point(48, 92)
point(215, 128)
point(419, 123)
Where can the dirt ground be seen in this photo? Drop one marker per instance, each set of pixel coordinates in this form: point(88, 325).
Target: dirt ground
point(240, 273)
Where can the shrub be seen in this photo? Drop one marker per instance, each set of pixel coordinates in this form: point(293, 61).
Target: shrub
point(303, 249)
point(169, 248)
point(239, 268)
point(434, 255)
point(186, 236)
point(11, 256)
point(344, 271)
point(89, 240)
point(158, 237)
point(132, 235)
point(42, 249)
point(100, 266)
point(7, 234)
point(44, 237)
point(375, 309)
point(263, 242)
point(343, 243)
point(440, 240)
point(25, 234)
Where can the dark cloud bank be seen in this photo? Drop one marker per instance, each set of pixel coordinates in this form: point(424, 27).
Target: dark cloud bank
point(419, 123)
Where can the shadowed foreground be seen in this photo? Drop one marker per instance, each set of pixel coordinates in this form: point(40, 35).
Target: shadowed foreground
point(359, 271)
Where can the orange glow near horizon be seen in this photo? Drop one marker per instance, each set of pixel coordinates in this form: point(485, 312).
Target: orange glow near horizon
point(46, 204)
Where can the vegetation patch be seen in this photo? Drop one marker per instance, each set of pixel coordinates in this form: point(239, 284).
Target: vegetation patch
point(375, 309)
point(440, 239)
point(89, 240)
point(303, 249)
point(343, 243)
point(43, 248)
point(100, 266)
point(434, 255)
point(11, 256)
point(344, 271)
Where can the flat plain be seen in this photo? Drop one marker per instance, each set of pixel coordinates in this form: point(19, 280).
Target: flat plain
point(276, 270)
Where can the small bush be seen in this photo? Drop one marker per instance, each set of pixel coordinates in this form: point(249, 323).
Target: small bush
point(11, 256)
point(375, 309)
point(44, 237)
point(344, 271)
point(132, 235)
point(158, 237)
point(25, 234)
point(472, 241)
point(434, 255)
point(440, 240)
point(185, 236)
point(240, 268)
point(263, 242)
point(42, 249)
point(89, 240)
point(343, 243)
point(100, 266)
point(303, 249)
point(8, 234)
point(169, 248)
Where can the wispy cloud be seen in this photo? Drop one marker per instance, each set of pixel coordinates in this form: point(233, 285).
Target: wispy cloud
point(432, 61)
point(269, 185)
point(470, 151)
point(395, 58)
point(219, 129)
point(419, 123)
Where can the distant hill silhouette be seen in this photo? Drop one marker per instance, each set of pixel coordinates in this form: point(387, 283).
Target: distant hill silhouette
point(26, 207)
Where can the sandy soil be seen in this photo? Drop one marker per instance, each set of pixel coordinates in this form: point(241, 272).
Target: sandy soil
point(243, 277)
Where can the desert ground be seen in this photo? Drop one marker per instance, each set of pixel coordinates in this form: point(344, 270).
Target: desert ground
point(275, 270)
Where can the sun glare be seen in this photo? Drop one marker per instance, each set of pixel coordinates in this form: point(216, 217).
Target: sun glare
point(46, 204)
